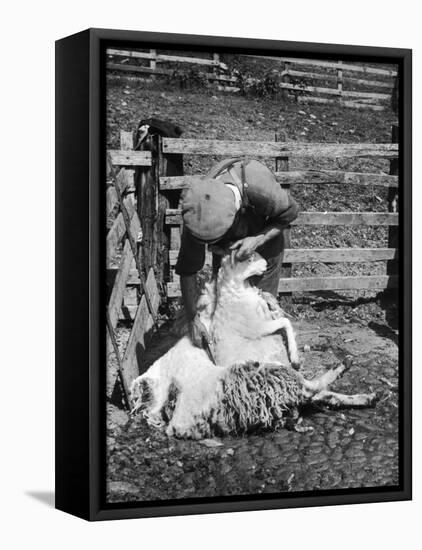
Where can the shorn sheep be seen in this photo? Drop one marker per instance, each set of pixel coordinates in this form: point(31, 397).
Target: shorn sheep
point(255, 384)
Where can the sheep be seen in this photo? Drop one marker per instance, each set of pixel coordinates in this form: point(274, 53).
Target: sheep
point(188, 396)
point(246, 324)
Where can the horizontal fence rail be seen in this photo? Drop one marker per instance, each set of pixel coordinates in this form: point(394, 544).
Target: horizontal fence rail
point(313, 284)
point(302, 255)
point(309, 284)
point(346, 80)
point(278, 149)
point(335, 65)
point(163, 58)
point(165, 72)
point(328, 255)
point(296, 177)
point(333, 91)
point(174, 217)
point(130, 158)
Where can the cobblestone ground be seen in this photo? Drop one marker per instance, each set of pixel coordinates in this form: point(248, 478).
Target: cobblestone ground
point(348, 448)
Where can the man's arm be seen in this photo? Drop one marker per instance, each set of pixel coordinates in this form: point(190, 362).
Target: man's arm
point(188, 287)
point(245, 247)
point(196, 329)
point(190, 261)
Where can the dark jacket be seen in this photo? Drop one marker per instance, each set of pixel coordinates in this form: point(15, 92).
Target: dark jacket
point(265, 203)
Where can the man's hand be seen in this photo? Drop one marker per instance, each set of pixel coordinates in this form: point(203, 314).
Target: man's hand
point(198, 333)
point(247, 246)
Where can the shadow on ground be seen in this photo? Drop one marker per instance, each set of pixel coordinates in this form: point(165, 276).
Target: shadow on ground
point(45, 497)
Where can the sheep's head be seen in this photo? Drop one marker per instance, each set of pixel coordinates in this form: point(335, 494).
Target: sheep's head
point(233, 269)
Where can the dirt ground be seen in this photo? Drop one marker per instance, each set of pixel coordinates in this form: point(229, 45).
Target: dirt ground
point(348, 448)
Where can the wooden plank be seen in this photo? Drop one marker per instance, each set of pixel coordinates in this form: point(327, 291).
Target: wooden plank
point(162, 202)
point(278, 149)
point(229, 89)
point(126, 140)
point(362, 106)
point(346, 218)
point(126, 144)
point(334, 65)
point(116, 298)
point(334, 255)
point(311, 284)
point(346, 80)
point(111, 200)
point(130, 158)
point(165, 58)
point(282, 165)
point(142, 325)
point(129, 53)
point(337, 177)
point(314, 284)
point(146, 207)
point(332, 91)
point(393, 198)
point(174, 217)
point(325, 255)
point(124, 180)
point(162, 72)
point(175, 241)
point(138, 69)
point(340, 79)
point(302, 177)
point(153, 61)
point(118, 229)
point(341, 102)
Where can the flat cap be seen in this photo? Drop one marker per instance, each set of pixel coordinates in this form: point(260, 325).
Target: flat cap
point(208, 209)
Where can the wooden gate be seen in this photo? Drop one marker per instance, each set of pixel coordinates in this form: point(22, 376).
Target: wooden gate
point(133, 298)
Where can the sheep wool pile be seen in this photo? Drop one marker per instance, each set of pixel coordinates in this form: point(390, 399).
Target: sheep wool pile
point(258, 397)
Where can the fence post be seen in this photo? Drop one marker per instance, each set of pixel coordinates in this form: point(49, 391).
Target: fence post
point(146, 207)
point(340, 80)
point(153, 62)
point(393, 231)
point(161, 205)
point(216, 68)
point(285, 78)
point(282, 165)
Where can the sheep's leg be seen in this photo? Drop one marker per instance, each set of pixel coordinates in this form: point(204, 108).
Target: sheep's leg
point(270, 327)
point(334, 399)
point(291, 344)
point(285, 325)
point(321, 383)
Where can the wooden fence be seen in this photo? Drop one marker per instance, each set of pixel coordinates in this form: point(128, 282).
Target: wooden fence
point(137, 301)
point(217, 71)
point(298, 73)
point(282, 152)
point(295, 74)
point(135, 254)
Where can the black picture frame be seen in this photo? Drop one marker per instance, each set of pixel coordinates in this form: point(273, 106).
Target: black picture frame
point(80, 308)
